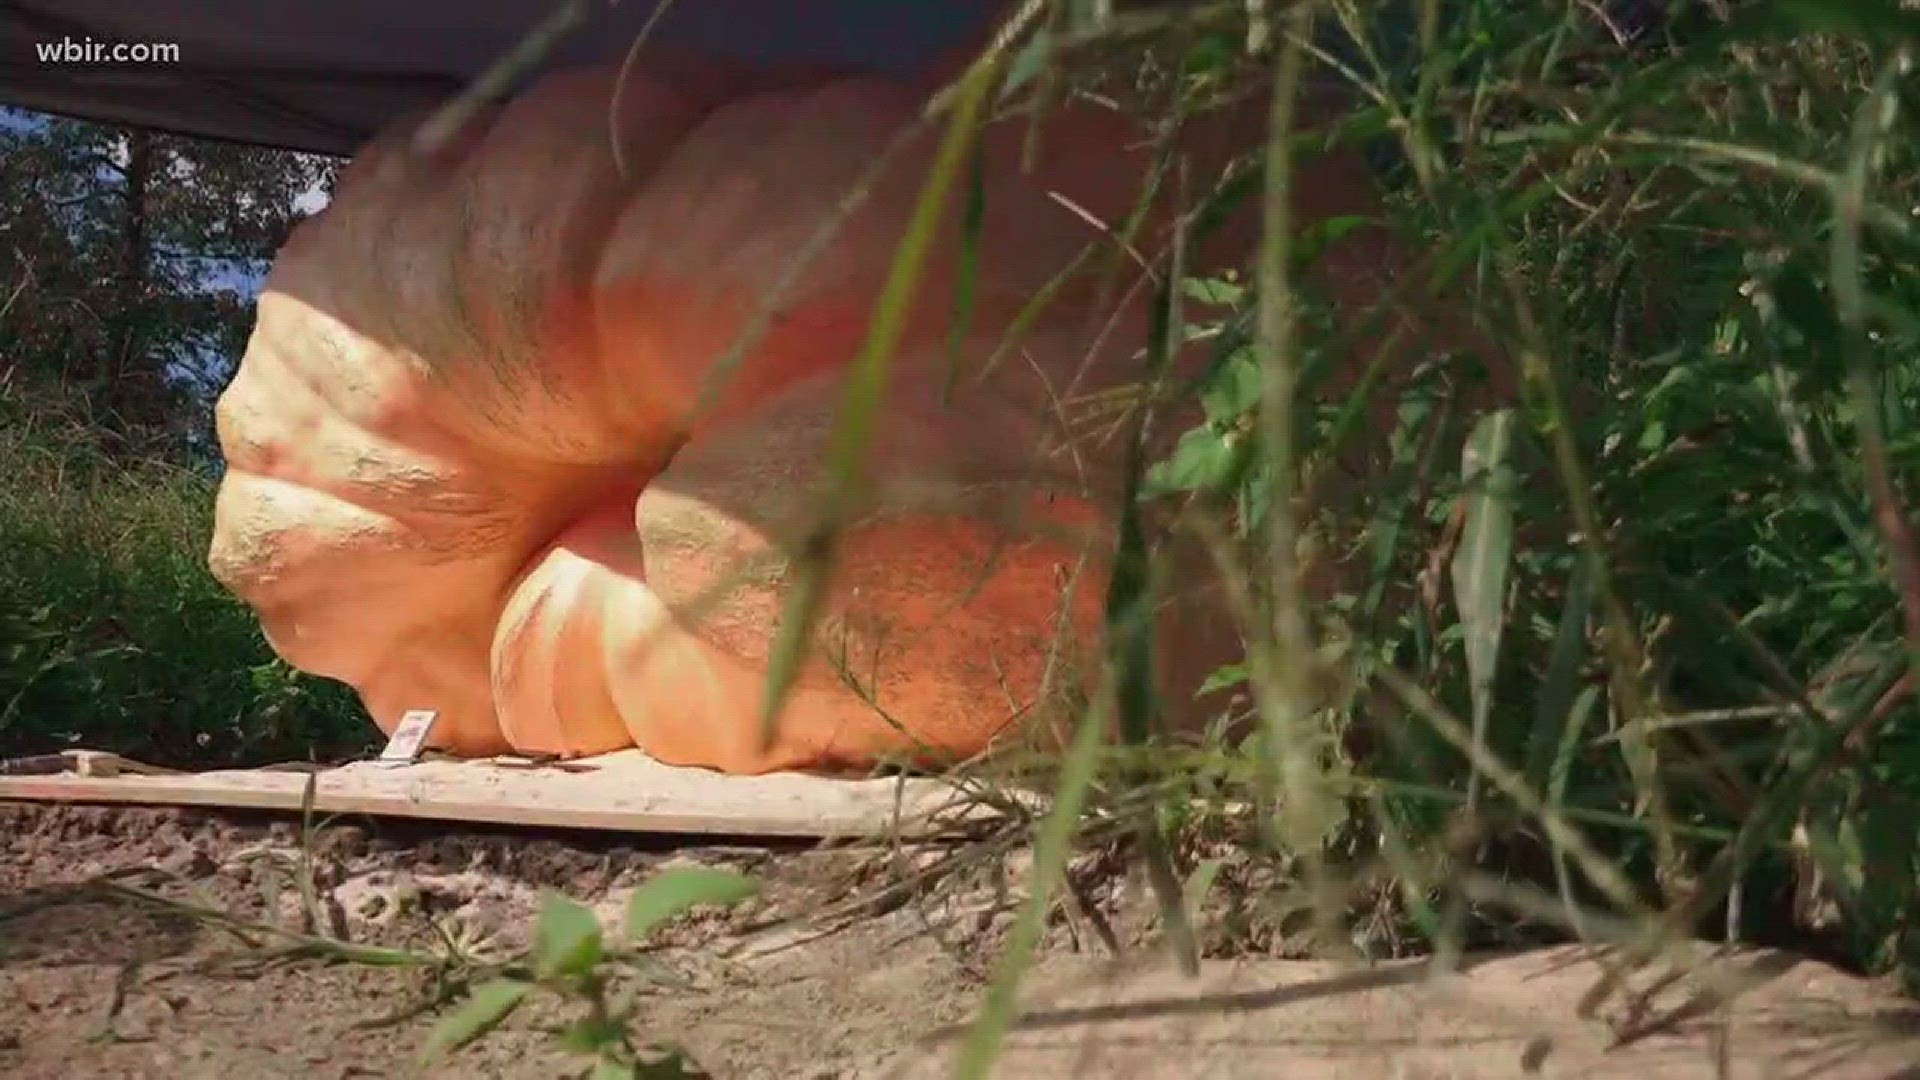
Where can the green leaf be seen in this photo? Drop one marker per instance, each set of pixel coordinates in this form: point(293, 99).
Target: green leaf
point(1210, 53)
point(671, 894)
point(1200, 882)
point(591, 1035)
point(1027, 64)
point(1315, 239)
point(1203, 460)
point(1222, 678)
point(485, 1009)
point(1481, 564)
point(1809, 310)
point(1234, 389)
point(1213, 291)
point(1560, 685)
point(566, 939)
point(1853, 866)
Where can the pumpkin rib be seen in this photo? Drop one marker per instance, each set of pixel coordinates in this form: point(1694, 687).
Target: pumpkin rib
point(415, 488)
point(267, 357)
point(550, 697)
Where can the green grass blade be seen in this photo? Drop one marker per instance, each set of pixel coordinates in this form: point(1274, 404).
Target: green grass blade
point(1050, 851)
point(861, 404)
point(969, 272)
point(1480, 565)
point(1553, 712)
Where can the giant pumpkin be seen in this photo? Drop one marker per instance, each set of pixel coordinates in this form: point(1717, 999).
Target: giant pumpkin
point(469, 468)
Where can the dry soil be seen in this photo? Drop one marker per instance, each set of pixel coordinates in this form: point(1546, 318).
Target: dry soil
point(93, 984)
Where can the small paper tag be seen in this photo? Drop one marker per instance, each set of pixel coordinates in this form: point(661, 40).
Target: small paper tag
point(409, 738)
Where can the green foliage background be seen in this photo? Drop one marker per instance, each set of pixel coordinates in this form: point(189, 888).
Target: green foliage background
point(120, 310)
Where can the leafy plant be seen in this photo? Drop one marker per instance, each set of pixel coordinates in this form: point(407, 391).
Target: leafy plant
point(1670, 588)
point(113, 635)
point(571, 961)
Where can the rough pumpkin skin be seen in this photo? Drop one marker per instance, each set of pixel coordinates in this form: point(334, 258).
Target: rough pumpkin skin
point(469, 466)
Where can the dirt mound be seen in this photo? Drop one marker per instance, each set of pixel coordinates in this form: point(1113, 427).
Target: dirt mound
point(91, 984)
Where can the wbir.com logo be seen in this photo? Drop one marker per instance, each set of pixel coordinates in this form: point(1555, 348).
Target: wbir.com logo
point(86, 50)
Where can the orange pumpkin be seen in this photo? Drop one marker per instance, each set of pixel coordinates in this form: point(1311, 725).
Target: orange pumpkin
point(468, 470)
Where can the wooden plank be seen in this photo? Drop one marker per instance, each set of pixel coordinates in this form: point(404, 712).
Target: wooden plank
point(625, 791)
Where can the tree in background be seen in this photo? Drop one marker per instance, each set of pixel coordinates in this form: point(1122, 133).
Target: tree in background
point(127, 264)
point(129, 261)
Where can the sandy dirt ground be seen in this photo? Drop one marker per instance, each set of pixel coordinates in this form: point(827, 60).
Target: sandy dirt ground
point(802, 984)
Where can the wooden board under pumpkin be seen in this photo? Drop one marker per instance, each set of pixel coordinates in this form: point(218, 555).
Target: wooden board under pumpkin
point(625, 792)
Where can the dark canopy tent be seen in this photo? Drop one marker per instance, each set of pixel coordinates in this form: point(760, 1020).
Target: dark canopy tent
point(324, 75)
